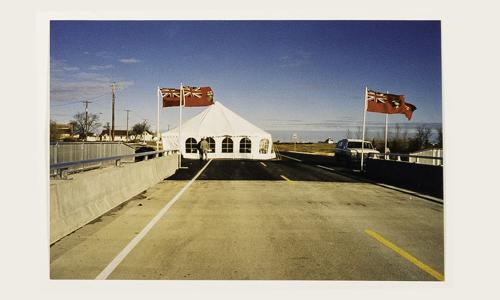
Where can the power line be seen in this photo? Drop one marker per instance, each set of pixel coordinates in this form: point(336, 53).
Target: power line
point(74, 102)
point(99, 96)
point(96, 97)
point(117, 88)
point(63, 115)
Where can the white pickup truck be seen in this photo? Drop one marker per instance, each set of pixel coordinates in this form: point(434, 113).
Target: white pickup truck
point(349, 150)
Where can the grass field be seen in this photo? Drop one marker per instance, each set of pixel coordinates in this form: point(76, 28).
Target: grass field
point(309, 148)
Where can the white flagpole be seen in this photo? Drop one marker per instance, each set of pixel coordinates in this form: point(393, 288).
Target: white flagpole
point(364, 122)
point(386, 121)
point(181, 96)
point(385, 144)
point(158, 120)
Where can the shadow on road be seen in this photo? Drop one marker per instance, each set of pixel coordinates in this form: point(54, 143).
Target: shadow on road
point(228, 169)
point(293, 167)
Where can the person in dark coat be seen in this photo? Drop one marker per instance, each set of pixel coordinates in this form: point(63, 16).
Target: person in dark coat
point(204, 148)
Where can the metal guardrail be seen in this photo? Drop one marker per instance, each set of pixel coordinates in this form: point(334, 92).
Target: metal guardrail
point(398, 157)
point(62, 168)
point(73, 151)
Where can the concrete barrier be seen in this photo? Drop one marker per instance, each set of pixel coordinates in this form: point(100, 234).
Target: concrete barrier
point(88, 195)
point(422, 178)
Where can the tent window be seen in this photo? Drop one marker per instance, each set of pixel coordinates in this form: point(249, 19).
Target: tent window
point(264, 145)
point(245, 145)
point(191, 145)
point(211, 144)
point(227, 145)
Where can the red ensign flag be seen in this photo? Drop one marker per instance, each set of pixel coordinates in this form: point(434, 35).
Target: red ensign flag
point(389, 104)
point(193, 96)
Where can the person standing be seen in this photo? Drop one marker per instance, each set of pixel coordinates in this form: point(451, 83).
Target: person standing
point(198, 147)
point(204, 148)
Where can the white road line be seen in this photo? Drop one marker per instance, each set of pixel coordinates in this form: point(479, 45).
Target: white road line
point(416, 194)
point(377, 183)
point(326, 168)
point(263, 164)
point(131, 245)
point(293, 158)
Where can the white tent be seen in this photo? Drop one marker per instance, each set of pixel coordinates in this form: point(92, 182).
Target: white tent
point(228, 134)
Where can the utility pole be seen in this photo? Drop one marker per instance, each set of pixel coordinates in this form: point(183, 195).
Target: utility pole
point(113, 88)
point(86, 125)
point(127, 110)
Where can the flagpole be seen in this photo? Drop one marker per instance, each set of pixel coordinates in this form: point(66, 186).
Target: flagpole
point(385, 144)
point(181, 96)
point(158, 120)
point(386, 121)
point(364, 122)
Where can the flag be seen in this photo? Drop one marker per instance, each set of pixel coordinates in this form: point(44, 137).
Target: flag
point(193, 96)
point(389, 104)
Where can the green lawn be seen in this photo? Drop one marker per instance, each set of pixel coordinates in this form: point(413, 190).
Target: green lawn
point(309, 148)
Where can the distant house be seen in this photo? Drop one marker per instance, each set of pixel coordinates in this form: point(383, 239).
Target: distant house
point(91, 138)
point(120, 135)
point(148, 136)
point(63, 131)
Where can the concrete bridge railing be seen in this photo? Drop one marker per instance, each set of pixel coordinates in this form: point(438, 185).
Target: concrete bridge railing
point(424, 178)
point(88, 195)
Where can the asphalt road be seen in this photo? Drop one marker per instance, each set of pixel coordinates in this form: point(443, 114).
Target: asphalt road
point(273, 220)
point(259, 170)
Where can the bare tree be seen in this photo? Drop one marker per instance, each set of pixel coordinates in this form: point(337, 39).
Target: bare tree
point(85, 125)
point(108, 128)
point(404, 136)
point(140, 128)
point(378, 142)
point(348, 134)
point(394, 140)
point(440, 137)
point(54, 134)
point(424, 134)
point(359, 132)
point(421, 140)
point(397, 132)
point(398, 140)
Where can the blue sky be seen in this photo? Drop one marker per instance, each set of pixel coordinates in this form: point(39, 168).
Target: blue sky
point(284, 76)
